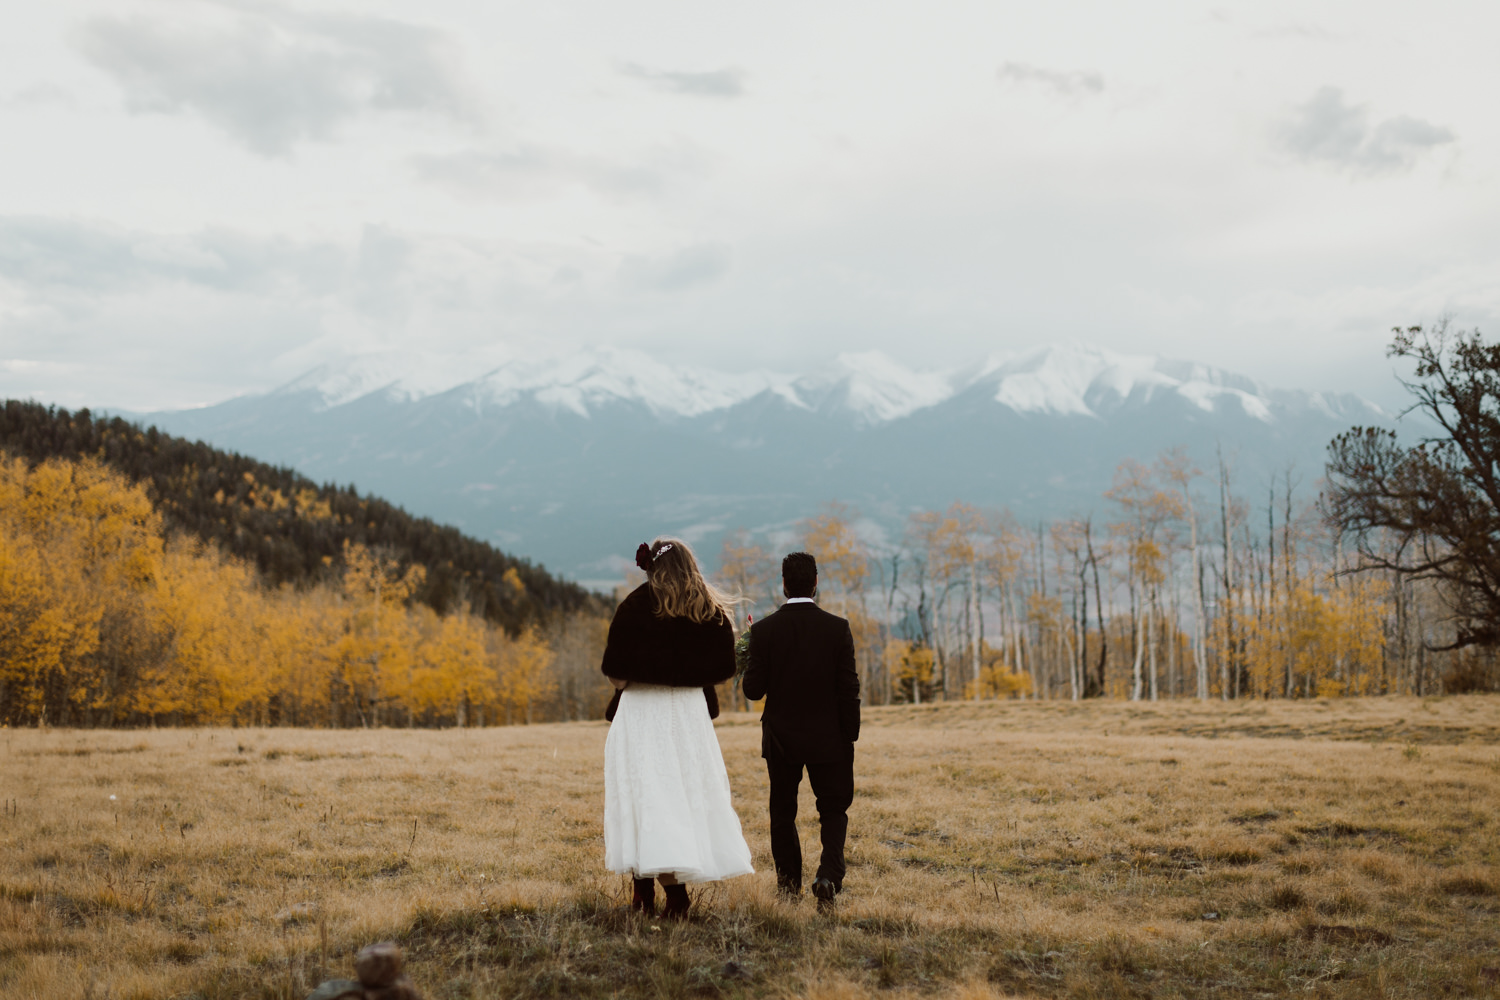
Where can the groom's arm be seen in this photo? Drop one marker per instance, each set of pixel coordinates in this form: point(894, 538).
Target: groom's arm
point(846, 682)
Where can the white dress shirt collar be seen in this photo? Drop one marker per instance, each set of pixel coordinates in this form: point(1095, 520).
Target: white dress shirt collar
point(800, 600)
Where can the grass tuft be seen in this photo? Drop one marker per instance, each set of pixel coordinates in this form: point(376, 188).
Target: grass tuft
point(1286, 897)
point(1467, 885)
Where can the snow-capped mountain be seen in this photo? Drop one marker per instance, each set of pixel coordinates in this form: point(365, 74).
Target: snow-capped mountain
point(1064, 380)
point(573, 459)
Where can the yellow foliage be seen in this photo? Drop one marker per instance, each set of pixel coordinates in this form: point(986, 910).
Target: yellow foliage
point(310, 508)
point(842, 558)
point(910, 666)
point(746, 570)
point(102, 621)
point(78, 546)
point(997, 678)
point(456, 672)
point(513, 581)
point(1319, 643)
point(524, 677)
point(203, 611)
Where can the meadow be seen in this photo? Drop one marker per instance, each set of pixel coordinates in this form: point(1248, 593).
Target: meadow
point(1322, 848)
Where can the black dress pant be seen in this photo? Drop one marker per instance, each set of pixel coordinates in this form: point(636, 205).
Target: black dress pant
point(833, 786)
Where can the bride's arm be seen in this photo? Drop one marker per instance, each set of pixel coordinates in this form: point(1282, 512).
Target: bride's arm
point(620, 683)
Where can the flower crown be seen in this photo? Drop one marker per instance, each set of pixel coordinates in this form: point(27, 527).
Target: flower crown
point(644, 558)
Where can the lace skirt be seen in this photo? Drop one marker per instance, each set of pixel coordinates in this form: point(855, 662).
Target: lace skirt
point(667, 807)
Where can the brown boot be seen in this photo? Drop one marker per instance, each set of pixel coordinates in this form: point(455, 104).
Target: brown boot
point(677, 902)
point(644, 898)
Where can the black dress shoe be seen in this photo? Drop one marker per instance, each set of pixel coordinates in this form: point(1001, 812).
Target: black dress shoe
point(825, 890)
point(788, 888)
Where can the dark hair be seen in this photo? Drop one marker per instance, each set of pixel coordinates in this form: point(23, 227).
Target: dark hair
point(799, 574)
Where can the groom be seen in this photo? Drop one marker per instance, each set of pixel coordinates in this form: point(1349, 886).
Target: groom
point(802, 663)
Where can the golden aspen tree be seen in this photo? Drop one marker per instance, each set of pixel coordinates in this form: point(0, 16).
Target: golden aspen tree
point(843, 559)
point(843, 570)
point(953, 554)
point(577, 643)
point(456, 676)
point(211, 616)
point(747, 571)
point(377, 643)
point(910, 667)
point(45, 626)
point(98, 541)
point(1001, 561)
point(1175, 467)
point(1149, 512)
point(999, 678)
point(1356, 635)
point(525, 679)
point(299, 631)
point(945, 547)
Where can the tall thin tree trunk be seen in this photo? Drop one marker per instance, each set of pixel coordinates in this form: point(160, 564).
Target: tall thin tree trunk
point(1227, 655)
point(1200, 661)
point(1081, 631)
point(1151, 627)
point(1138, 639)
point(1288, 564)
point(975, 625)
point(1098, 683)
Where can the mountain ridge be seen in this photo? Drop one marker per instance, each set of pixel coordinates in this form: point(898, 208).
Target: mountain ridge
point(573, 460)
point(1055, 379)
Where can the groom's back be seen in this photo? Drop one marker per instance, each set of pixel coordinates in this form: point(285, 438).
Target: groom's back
point(802, 663)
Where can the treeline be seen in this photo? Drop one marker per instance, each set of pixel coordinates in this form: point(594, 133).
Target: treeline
point(148, 580)
point(109, 618)
point(291, 529)
point(1183, 588)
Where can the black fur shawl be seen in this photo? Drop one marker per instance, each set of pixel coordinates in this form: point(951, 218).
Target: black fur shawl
point(671, 651)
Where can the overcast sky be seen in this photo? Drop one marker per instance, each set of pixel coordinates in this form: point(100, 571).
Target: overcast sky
point(199, 199)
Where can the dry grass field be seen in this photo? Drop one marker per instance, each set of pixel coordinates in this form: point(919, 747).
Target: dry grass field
point(1313, 849)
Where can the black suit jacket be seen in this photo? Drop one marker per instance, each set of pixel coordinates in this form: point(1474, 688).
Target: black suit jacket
point(802, 663)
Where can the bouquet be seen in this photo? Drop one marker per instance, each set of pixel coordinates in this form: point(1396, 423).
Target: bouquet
point(742, 652)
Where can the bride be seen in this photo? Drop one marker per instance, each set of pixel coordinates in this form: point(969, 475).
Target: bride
point(667, 810)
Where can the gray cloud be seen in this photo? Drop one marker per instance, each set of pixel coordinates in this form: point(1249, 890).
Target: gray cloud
point(38, 95)
point(1068, 84)
point(1329, 130)
point(715, 83)
point(1299, 32)
point(47, 256)
point(384, 259)
point(53, 254)
point(533, 171)
point(694, 265)
point(273, 78)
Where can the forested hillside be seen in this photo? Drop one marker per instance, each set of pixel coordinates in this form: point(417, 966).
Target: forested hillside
point(108, 618)
point(293, 530)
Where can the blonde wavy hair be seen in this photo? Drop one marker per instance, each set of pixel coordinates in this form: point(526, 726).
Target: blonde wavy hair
point(679, 587)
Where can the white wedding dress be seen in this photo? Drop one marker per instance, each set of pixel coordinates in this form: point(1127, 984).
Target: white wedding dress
point(667, 809)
